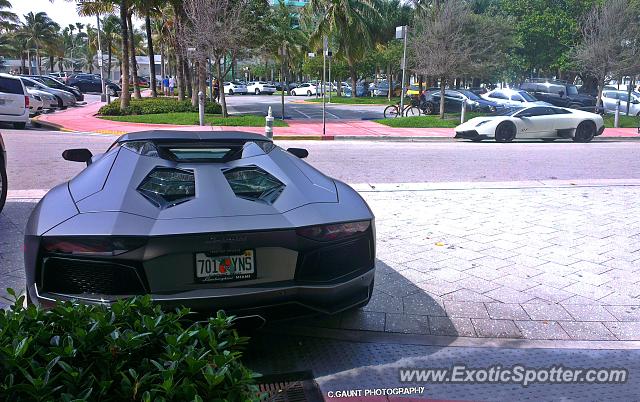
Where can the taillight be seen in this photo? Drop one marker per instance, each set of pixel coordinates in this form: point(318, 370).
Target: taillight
point(26, 101)
point(92, 245)
point(334, 231)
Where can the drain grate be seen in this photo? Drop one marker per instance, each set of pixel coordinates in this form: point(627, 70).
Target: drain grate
point(290, 387)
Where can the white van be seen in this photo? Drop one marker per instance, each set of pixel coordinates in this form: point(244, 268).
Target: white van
point(14, 101)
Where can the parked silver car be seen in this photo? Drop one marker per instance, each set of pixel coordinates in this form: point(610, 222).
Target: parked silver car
point(513, 98)
point(65, 99)
point(611, 98)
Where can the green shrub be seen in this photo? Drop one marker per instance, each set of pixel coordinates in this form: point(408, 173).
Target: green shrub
point(156, 106)
point(132, 351)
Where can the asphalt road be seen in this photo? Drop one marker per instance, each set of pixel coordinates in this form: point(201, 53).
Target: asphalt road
point(296, 108)
point(35, 160)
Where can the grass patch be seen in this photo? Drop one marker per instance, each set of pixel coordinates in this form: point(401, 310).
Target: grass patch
point(378, 100)
point(190, 118)
point(156, 106)
point(625, 121)
point(450, 120)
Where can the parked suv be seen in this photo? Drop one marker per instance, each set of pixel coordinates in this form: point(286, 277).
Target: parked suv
point(92, 83)
point(610, 100)
point(14, 101)
point(558, 93)
point(3, 174)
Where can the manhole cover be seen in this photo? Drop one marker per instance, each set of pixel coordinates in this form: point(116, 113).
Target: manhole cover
point(290, 387)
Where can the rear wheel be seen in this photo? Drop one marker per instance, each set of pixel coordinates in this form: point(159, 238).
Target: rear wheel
point(585, 132)
point(412, 111)
point(3, 183)
point(19, 126)
point(257, 91)
point(308, 93)
point(390, 112)
point(505, 132)
point(428, 108)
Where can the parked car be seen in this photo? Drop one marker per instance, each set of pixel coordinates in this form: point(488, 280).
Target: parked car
point(453, 102)
point(513, 98)
point(235, 87)
point(62, 76)
point(610, 100)
point(14, 101)
point(217, 220)
point(559, 93)
point(56, 84)
point(3, 172)
point(290, 86)
point(547, 123)
point(261, 87)
point(92, 83)
point(361, 91)
point(49, 102)
point(65, 99)
point(305, 89)
point(35, 103)
point(382, 88)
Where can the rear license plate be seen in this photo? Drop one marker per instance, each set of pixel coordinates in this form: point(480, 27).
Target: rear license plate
point(217, 267)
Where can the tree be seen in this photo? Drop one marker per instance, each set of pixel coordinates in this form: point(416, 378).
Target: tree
point(8, 20)
point(610, 45)
point(38, 29)
point(349, 23)
point(445, 43)
point(111, 28)
point(125, 96)
point(216, 29)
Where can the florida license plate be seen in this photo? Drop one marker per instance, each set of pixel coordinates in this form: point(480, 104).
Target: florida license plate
point(215, 267)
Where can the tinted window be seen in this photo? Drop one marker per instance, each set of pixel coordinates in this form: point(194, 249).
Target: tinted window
point(10, 86)
point(572, 90)
point(517, 97)
point(498, 95)
point(536, 111)
point(470, 95)
point(610, 95)
point(454, 95)
point(51, 82)
point(553, 89)
point(561, 111)
point(527, 97)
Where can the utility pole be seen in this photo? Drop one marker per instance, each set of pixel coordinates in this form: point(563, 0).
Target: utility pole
point(401, 33)
point(329, 54)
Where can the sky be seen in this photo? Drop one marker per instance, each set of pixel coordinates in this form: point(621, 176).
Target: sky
point(62, 12)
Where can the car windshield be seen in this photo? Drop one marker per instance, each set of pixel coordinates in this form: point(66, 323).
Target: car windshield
point(526, 96)
point(506, 111)
point(572, 90)
point(470, 95)
point(50, 82)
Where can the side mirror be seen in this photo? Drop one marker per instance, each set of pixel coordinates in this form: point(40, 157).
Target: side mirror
point(299, 152)
point(78, 155)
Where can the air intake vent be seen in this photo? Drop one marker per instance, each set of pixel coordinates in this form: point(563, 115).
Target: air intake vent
point(166, 187)
point(254, 184)
point(75, 277)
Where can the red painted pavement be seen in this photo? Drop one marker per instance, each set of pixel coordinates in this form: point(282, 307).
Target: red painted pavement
point(83, 119)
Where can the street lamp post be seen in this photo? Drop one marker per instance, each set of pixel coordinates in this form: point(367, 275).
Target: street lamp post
point(325, 48)
point(329, 54)
point(401, 33)
point(283, 54)
point(103, 95)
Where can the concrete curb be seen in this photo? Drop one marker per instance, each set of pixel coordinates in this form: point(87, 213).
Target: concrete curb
point(449, 341)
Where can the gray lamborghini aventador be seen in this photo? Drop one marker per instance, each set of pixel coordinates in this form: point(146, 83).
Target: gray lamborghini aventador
point(216, 220)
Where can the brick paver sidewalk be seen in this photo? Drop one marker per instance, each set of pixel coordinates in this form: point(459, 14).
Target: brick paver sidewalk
point(83, 119)
point(506, 260)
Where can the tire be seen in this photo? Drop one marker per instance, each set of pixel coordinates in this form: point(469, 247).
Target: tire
point(506, 132)
point(231, 92)
point(3, 184)
point(60, 103)
point(112, 92)
point(19, 125)
point(412, 111)
point(429, 109)
point(585, 132)
point(390, 111)
point(293, 93)
point(257, 91)
point(308, 93)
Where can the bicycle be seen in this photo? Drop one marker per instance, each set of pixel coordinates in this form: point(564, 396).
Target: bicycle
point(411, 109)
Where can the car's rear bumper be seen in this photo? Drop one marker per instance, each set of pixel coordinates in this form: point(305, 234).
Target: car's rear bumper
point(276, 301)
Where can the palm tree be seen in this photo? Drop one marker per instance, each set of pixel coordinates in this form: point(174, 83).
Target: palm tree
point(8, 20)
point(147, 8)
point(38, 29)
point(111, 28)
point(349, 24)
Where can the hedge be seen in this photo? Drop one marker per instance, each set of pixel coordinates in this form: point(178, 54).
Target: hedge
point(130, 351)
point(156, 106)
